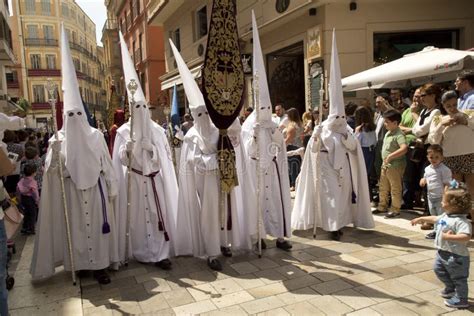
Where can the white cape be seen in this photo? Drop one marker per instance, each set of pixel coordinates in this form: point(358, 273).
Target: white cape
point(92, 250)
point(147, 242)
point(198, 212)
point(336, 210)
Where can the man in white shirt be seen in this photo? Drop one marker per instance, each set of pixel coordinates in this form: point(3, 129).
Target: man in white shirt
point(465, 86)
point(280, 118)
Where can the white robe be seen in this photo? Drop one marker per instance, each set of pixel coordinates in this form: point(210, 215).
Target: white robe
point(275, 197)
point(337, 209)
point(92, 250)
point(199, 222)
point(147, 242)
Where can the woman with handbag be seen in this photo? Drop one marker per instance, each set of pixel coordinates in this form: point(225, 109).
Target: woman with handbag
point(431, 99)
point(454, 132)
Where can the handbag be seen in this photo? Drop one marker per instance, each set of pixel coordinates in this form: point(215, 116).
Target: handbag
point(417, 150)
point(12, 219)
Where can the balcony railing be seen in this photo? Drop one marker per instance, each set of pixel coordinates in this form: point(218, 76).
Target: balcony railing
point(13, 84)
point(110, 24)
point(41, 42)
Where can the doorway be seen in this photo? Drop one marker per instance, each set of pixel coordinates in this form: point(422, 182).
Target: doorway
point(286, 77)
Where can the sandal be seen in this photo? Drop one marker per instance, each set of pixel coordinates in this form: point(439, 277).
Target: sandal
point(101, 276)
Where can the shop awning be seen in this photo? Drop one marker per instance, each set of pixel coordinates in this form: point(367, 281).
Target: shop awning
point(176, 79)
point(429, 65)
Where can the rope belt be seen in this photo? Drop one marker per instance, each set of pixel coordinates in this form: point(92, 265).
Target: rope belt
point(105, 225)
point(161, 222)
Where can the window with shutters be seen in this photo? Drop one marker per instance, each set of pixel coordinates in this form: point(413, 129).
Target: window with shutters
point(35, 60)
point(201, 22)
point(64, 10)
point(38, 94)
point(32, 31)
point(50, 61)
point(46, 7)
point(48, 32)
point(30, 6)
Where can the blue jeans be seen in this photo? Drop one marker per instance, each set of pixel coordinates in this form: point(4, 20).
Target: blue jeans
point(3, 270)
point(453, 271)
point(435, 207)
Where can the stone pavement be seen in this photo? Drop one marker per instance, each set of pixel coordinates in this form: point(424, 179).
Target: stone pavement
point(380, 272)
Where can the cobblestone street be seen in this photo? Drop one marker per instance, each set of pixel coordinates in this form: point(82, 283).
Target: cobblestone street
point(380, 272)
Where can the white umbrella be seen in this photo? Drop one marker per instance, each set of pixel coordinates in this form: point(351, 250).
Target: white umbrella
point(429, 65)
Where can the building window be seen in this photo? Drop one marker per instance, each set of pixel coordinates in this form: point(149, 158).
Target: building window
point(391, 46)
point(46, 7)
point(143, 81)
point(35, 61)
point(64, 10)
point(32, 31)
point(50, 61)
point(77, 64)
point(201, 22)
point(30, 6)
point(48, 32)
point(140, 44)
point(175, 37)
point(38, 94)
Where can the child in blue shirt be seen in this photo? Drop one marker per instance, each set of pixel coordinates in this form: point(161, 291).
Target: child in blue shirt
point(453, 232)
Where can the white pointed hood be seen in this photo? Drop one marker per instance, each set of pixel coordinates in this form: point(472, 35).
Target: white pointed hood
point(336, 122)
point(264, 103)
point(142, 122)
point(208, 132)
point(82, 158)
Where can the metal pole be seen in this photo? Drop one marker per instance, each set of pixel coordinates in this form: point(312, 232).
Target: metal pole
point(51, 87)
point(132, 88)
point(170, 128)
point(318, 156)
point(256, 102)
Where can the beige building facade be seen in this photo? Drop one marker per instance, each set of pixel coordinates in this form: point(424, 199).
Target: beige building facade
point(37, 47)
point(296, 37)
point(7, 60)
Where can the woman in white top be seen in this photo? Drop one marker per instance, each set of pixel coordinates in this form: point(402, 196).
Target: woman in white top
point(431, 97)
point(455, 133)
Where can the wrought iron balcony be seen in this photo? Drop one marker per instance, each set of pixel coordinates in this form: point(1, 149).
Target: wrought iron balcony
point(41, 42)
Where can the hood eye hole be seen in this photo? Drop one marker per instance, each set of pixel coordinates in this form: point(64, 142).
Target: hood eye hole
point(343, 117)
point(199, 114)
point(79, 113)
point(71, 114)
point(268, 108)
point(144, 105)
point(137, 106)
point(337, 116)
point(206, 113)
point(262, 108)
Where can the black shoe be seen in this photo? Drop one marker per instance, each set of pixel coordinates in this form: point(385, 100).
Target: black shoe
point(226, 252)
point(101, 276)
point(263, 244)
point(214, 264)
point(431, 235)
point(164, 264)
point(83, 273)
point(283, 245)
point(392, 215)
point(335, 235)
point(377, 211)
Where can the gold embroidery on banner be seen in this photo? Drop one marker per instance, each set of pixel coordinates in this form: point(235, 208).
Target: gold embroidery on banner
point(227, 170)
point(223, 75)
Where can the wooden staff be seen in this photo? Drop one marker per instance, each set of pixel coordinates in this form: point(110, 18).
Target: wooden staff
point(51, 87)
point(318, 156)
point(132, 88)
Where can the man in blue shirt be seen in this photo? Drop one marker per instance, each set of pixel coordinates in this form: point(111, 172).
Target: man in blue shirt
point(465, 86)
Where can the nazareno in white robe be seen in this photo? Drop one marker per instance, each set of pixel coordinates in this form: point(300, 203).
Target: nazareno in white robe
point(147, 242)
point(198, 221)
point(275, 198)
point(92, 249)
point(337, 209)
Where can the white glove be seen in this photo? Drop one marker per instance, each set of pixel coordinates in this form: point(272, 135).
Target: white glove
point(55, 145)
point(350, 143)
point(179, 133)
point(129, 145)
point(317, 131)
point(147, 145)
point(277, 137)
